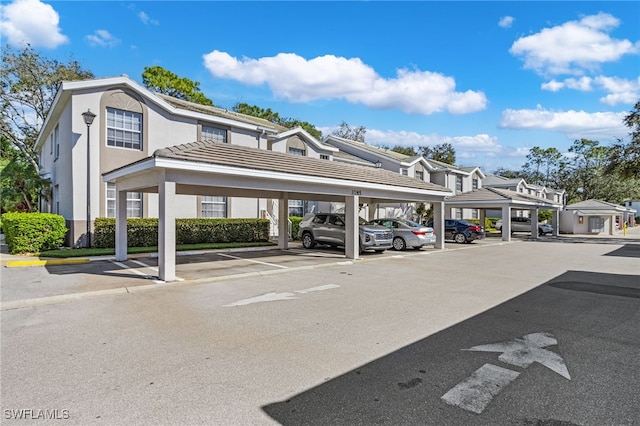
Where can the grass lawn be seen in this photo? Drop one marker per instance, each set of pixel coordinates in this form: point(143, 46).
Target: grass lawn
point(85, 252)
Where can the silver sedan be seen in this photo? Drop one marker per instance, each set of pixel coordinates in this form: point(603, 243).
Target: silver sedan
point(407, 233)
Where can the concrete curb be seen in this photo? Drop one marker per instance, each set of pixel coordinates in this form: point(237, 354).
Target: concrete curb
point(25, 263)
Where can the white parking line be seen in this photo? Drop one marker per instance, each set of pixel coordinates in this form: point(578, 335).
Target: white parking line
point(253, 261)
point(142, 274)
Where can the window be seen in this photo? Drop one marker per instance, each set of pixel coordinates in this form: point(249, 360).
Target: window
point(459, 183)
point(213, 134)
point(56, 141)
point(56, 199)
point(296, 208)
point(404, 172)
point(474, 213)
point(474, 184)
point(134, 202)
point(419, 175)
point(297, 151)
point(458, 213)
point(324, 157)
point(124, 129)
point(213, 206)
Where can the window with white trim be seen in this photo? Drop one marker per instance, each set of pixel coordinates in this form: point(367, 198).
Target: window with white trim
point(419, 175)
point(297, 151)
point(458, 213)
point(134, 202)
point(474, 214)
point(474, 184)
point(324, 157)
point(213, 134)
point(213, 206)
point(124, 129)
point(459, 183)
point(404, 172)
point(296, 208)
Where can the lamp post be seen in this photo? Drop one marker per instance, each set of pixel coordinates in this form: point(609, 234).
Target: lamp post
point(88, 117)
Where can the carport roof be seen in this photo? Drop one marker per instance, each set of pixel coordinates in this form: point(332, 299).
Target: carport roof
point(488, 197)
point(259, 159)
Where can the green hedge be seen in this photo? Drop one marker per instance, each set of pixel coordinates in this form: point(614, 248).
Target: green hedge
point(295, 226)
point(489, 222)
point(144, 232)
point(33, 232)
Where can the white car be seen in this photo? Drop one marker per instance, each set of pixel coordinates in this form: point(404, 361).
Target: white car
point(407, 233)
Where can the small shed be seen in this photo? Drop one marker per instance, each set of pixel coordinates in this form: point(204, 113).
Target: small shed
point(593, 217)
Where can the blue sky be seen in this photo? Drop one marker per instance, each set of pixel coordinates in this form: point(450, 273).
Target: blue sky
point(492, 78)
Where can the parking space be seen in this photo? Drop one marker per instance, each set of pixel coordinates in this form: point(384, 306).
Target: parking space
point(140, 272)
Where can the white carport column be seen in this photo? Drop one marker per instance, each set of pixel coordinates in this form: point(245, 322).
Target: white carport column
point(121, 225)
point(283, 222)
point(352, 227)
point(506, 223)
point(555, 222)
point(534, 222)
point(167, 231)
point(438, 223)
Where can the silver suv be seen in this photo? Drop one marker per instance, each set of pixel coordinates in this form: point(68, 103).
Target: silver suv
point(329, 228)
point(523, 224)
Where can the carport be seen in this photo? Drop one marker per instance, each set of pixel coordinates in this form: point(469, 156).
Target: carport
point(207, 168)
point(506, 200)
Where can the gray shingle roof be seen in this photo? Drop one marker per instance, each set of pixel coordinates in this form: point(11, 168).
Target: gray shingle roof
point(259, 159)
point(497, 194)
point(218, 112)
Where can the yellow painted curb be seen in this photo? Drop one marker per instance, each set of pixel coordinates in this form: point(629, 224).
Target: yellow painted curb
point(22, 263)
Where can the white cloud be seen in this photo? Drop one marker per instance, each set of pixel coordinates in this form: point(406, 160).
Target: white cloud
point(619, 90)
point(464, 145)
point(297, 79)
point(573, 47)
point(574, 124)
point(146, 19)
point(31, 22)
point(506, 21)
point(102, 38)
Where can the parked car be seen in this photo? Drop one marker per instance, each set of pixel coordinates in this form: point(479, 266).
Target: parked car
point(407, 233)
point(329, 229)
point(523, 224)
point(461, 231)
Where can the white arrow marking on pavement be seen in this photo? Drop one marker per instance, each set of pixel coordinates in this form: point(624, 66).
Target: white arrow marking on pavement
point(269, 297)
point(527, 350)
point(476, 391)
point(319, 288)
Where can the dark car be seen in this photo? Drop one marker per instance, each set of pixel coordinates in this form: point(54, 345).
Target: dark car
point(461, 231)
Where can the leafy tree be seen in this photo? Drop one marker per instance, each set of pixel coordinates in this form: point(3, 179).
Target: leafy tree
point(443, 152)
point(624, 158)
point(406, 150)
point(509, 174)
point(274, 117)
point(20, 183)
point(29, 84)
point(542, 165)
point(352, 133)
point(164, 81)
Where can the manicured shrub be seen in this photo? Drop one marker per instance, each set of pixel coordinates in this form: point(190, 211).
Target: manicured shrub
point(295, 226)
point(144, 232)
point(33, 232)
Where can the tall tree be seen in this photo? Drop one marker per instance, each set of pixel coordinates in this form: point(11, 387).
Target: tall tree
point(274, 117)
point(164, 81)
point(29, 84)
point(352, 133)
point(406, 150)
point(443, 152)
point(542, 165)
point(625, 157)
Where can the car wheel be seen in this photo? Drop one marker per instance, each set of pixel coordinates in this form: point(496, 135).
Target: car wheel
point(399, 244)
point(460, 238)
point(307, 241)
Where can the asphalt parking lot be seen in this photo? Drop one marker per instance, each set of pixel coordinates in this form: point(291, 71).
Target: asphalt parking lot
point(391, 339)
point(55, 282)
